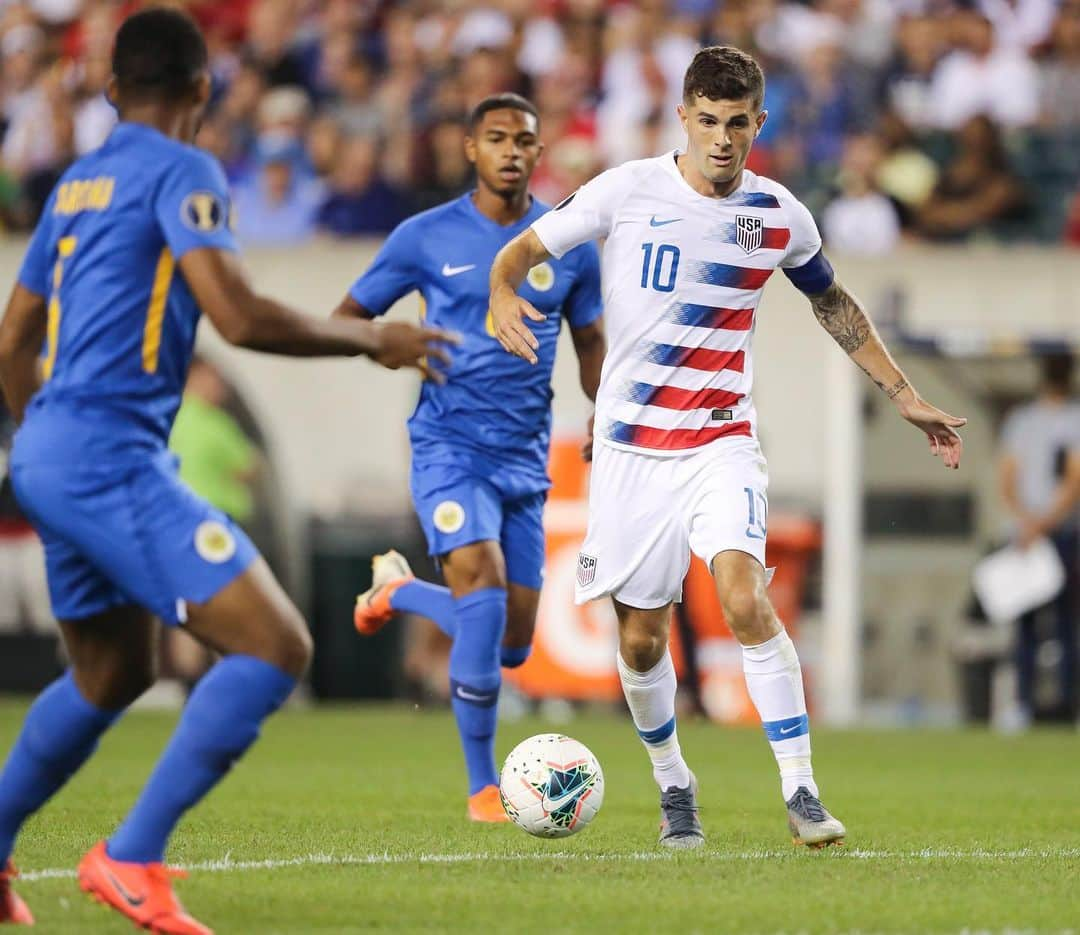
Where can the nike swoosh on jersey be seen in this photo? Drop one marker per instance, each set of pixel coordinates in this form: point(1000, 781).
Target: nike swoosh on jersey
point(133, 901)
point(655, 223)
point(448, 270)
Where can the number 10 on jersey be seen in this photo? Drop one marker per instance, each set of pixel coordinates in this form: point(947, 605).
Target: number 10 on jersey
point(662, 269)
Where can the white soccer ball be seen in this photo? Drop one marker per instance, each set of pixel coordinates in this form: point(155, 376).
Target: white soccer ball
point(551, 785)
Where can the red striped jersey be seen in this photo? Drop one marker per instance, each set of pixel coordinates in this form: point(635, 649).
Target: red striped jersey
point(682, 278)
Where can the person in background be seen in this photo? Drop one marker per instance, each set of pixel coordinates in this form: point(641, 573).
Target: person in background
point(279, 205)
point(976, 189)
point(1040, 486)
point(861, 220)
point(360, 200)
point(219, 462)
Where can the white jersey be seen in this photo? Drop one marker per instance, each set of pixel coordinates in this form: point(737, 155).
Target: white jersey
point(682, 278)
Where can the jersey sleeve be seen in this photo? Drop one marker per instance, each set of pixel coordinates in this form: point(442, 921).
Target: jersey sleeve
point(192, 205)
point(34, 272)
point(804, 263)
point(393, 273)
point(585, 215)
point(584, 303)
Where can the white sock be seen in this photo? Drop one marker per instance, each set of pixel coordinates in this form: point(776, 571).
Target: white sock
point(651, 697)
point(774, 680)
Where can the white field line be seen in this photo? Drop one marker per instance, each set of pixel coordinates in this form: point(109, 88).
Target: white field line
point(227, 865)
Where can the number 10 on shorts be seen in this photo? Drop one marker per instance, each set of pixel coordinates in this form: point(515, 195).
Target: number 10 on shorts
point(757, 508)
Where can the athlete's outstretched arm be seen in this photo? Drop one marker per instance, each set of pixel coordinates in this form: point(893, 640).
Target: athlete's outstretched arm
point(840, 313)
point(507, 309)
point(22, 334)
point(246, 319)
point(350, 308)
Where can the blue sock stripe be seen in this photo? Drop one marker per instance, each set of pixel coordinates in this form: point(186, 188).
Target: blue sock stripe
point(468, 601)
point(787, 728)
point(658, 734)
point(513, 656)
point(470, 694)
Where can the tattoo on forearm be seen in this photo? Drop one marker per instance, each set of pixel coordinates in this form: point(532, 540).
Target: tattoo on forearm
point(838, 312)
point(896, 389)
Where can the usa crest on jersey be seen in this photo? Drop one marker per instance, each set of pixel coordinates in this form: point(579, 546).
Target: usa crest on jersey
point(748, 232)
point(586, 569)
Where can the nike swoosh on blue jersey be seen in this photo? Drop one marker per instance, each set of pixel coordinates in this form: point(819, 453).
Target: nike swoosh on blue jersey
point(448, 270)
point(655, 223)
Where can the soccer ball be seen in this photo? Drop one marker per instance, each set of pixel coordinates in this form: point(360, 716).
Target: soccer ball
point(551, 785)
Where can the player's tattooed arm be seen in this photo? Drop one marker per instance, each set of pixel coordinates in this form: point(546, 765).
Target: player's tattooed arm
point(840, 314)
point(22, 334)
point(507, 310)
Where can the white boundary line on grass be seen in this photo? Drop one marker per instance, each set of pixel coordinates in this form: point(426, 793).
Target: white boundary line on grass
point(227, 865)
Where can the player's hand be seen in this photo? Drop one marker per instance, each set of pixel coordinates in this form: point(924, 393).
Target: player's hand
point(508, 313)
point(939, 428)
point(400, 344)
point(586, 449)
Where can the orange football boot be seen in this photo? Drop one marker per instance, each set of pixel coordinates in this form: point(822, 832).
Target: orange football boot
point(142, 892)
point(389, 572)
point(12, 909)
point(486, 805)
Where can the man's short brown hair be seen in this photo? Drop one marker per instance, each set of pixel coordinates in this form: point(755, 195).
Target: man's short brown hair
point(724, 73)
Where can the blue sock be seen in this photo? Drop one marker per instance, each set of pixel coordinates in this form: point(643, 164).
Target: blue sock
point(427, 600)
point(514, 656)
point(221, 720)
point(60, 732)
point(475, 679)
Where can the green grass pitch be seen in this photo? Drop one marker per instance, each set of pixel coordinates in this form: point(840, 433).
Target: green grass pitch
point(352, 820)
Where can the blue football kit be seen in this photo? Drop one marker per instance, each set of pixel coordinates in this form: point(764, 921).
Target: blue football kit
point(480, 441)
point(90, 464)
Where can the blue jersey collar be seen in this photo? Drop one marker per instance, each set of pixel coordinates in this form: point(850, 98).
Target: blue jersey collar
point(536, 209)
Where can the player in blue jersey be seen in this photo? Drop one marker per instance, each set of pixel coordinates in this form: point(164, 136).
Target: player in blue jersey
point(479, 466)
point(134, 241)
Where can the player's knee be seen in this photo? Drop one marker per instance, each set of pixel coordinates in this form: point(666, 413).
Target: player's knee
point(748, 612)
point(642, 647)
point(114, 686)
point(289, 647)
point(481, 570)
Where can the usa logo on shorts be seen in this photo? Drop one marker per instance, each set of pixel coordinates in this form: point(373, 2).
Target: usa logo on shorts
point(586, 569)
point(748, 232)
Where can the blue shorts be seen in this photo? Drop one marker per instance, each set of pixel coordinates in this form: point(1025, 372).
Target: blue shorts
point(128, 534)
point(461, 498)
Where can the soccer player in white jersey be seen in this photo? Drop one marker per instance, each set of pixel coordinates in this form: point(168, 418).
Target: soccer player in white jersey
point(690, 239)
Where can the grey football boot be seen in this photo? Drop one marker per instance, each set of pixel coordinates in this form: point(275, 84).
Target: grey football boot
point(679, 824)
point(810, 822)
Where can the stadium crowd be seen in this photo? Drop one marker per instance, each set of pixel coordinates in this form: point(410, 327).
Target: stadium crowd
point(925, 119)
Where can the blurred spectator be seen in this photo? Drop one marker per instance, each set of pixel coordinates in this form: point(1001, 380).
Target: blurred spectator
point(360, 200)
point(278, 205)
point(1040, 486)
point(982, 77)
point(1059, 73)
point(920, 43)
point(977, 187)
point(355, 107)
point(861, 220)
point(443, 171)
point(906, 174)
point(217, 460)
point(1023, 24)
point(271, 26)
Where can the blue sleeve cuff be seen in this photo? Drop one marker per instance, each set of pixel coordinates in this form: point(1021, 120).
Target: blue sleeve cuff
point(814, 276)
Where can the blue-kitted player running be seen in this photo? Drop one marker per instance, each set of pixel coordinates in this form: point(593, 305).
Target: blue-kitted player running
point(133, 243)
point(480, 441)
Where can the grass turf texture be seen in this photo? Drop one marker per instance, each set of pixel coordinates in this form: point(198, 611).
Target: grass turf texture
point(948, 831)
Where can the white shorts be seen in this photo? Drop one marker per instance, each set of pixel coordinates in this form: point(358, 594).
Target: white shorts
point(647, 513)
